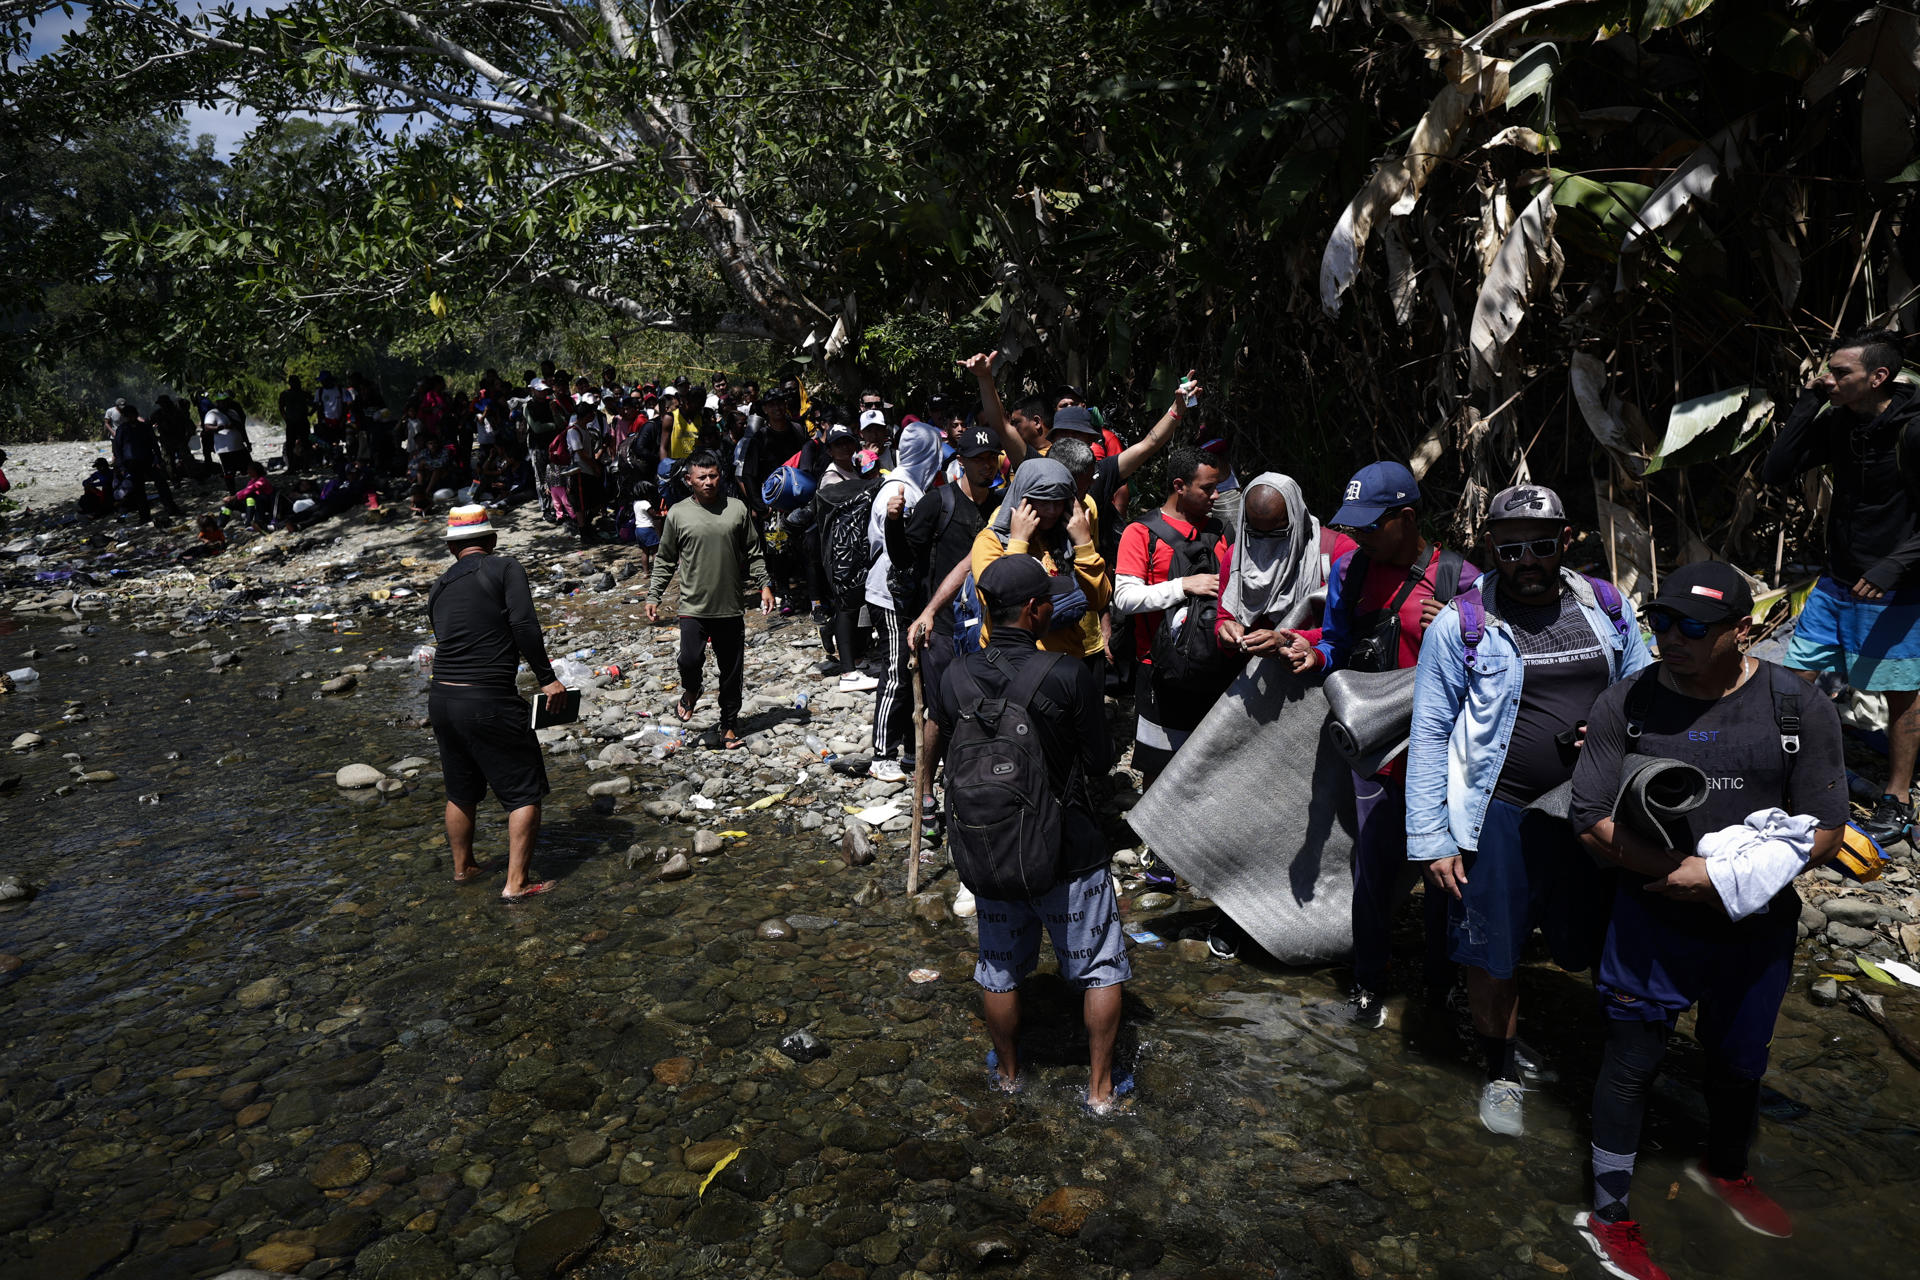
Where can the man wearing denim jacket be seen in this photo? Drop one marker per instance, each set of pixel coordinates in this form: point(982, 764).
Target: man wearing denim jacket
point(1506, 675)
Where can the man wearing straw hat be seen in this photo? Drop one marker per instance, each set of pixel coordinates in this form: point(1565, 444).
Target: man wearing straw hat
point(483, 623)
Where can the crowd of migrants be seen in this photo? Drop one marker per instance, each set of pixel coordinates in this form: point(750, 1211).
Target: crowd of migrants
point(994, 545)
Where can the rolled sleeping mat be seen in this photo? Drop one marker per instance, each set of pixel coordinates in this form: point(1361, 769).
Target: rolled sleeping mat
point(1654, 791)
point(787, 488)
point(1369, 714)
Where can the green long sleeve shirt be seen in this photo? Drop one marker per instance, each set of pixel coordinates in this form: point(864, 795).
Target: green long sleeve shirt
point(716, 552)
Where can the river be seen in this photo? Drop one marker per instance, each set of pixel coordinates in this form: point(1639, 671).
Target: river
point(249, 1017)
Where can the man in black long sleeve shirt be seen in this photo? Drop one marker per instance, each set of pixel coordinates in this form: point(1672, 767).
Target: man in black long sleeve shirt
point(1079, 911)
point(137, 449)
point(483, 623)
point(1862, 619)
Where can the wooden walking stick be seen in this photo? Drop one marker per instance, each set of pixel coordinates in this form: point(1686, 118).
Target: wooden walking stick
point(919, 774)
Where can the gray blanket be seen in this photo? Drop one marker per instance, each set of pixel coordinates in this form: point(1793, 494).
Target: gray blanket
point(1256, 811)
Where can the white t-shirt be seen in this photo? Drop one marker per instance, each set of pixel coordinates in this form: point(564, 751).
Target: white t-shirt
point(226, 437)
point(333, 402)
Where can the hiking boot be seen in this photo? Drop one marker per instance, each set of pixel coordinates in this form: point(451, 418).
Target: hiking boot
point(1500, 1108)
point(1890, 820)
point(1365, 1009)
point(1751, 1207)
point(886, 770)
point(1619, 1246)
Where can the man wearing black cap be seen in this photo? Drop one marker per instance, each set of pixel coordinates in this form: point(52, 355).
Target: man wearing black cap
point(1506, 673)
point(1709, 922)
point(1077, 907)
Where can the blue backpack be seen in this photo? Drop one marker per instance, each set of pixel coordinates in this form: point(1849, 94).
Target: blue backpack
point(967, 616)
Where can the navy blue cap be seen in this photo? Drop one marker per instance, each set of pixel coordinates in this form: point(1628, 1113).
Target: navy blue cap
point(1377, 488)
point(1074, 418)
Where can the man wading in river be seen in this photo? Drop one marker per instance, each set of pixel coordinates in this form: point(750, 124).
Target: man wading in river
point(483, 623)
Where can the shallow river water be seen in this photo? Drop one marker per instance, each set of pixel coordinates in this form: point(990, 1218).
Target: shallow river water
point(255, 1024)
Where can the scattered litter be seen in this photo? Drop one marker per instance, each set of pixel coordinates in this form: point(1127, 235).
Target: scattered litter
point(713, 1173)
point(766, 800)
point(733, 835)
point(925, 975)
point(1891, 972)
point(700, 802)
point(877, 814)
point(1146, 937)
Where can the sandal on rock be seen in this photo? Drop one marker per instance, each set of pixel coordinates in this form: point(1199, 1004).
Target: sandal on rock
point(732, 741)
point(683, 710)
point(530, 891)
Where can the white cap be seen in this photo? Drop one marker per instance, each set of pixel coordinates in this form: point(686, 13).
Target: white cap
point(669, 390)
point(872, 418)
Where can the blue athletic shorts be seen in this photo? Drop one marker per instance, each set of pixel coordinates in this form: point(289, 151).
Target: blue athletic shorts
point(1873, 644)
point(1652, 972)
point(1081, 917)
point(1529, 872)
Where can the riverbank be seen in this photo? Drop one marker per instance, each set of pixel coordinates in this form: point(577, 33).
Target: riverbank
point(251, 1022)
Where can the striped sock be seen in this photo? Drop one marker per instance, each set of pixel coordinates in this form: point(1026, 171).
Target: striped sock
point(1612, 1179)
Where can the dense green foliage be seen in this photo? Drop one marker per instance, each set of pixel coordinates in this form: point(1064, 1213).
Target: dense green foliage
point(1589, 241)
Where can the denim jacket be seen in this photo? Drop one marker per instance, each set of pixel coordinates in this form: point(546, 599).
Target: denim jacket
point(1463, 720)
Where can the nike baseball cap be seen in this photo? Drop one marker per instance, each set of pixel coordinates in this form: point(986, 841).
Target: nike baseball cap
point(1526, 502)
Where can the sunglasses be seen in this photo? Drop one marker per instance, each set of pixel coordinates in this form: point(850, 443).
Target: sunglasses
point(1662, 622)
point(1540, 548)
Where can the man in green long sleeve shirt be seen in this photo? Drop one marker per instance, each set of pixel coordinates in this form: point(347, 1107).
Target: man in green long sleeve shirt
point(711, 543)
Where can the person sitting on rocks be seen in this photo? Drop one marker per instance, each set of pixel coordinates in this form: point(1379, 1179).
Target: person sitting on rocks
point(96, 490)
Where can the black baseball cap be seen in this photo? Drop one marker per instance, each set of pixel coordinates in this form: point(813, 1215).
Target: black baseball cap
point(1016, 579)
point(1709, 591)
point(977, 442)
point(840, 431)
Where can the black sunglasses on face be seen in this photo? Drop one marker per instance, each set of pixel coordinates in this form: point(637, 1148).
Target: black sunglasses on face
point(1662, 622)
point(1542, 549)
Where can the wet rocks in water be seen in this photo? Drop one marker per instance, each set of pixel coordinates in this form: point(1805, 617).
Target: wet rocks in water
point(806, 1257)
point(707, 843)
point(804, 1046)
point(10, 781)
point(281, 1257)
point(774, 930)
point(27, 741)
point(924, 1161)
point(673, 1072)
point(355, 776)
point(678, 867)
point(20, 1204)
point(931, 907)
point(81, 1252)
point(340, 684)
point(702, 1156)
point(584, 1149)
point(722, 1216)
point(1825, 992)
point(1065, 1211)
point(556, 1242)
point(407, 1256)
point(990, 1248)
point(856, 1133)
point(856, 846)
point(1152, 901)
point(14, 889)
point(619, 786)
point(341, 1166)
point(1116, 1238)
point(96, 776)
point(261, 992)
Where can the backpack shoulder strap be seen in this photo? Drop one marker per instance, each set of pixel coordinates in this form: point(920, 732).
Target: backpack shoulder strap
point(969, 687)
point(946, 513)
point(1786, 691)
point(1639, 703)
point(1609, 597)
point(1024, 689)
point(1473, 623)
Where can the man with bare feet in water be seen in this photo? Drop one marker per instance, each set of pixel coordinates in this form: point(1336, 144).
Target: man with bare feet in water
point(483, 622)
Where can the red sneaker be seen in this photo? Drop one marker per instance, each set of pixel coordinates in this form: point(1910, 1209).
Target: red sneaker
point(1751, 1207)
point(1619, 1246)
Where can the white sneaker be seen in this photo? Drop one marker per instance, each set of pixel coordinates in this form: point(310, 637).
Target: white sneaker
point(1500, 1108)
point(857, 682)
point(887, 770)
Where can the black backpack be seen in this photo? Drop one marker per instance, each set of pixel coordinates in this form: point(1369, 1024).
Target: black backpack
point(1190, 656)
point(1376, 633)
point(1004, 810)
point(845, 511)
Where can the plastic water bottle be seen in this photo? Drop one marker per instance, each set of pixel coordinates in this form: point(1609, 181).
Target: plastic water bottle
point(800, 701)
point(673, 731)
point(423, 659)
point(581, 655)
point(819, 747)
point(24, 675)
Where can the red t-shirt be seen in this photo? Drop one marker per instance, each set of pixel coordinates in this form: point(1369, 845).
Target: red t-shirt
point(1133, 563)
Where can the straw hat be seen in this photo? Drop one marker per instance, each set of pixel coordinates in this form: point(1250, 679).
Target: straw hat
point(468, 522)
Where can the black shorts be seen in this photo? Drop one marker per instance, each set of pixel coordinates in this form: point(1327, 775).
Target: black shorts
point(486, 741)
